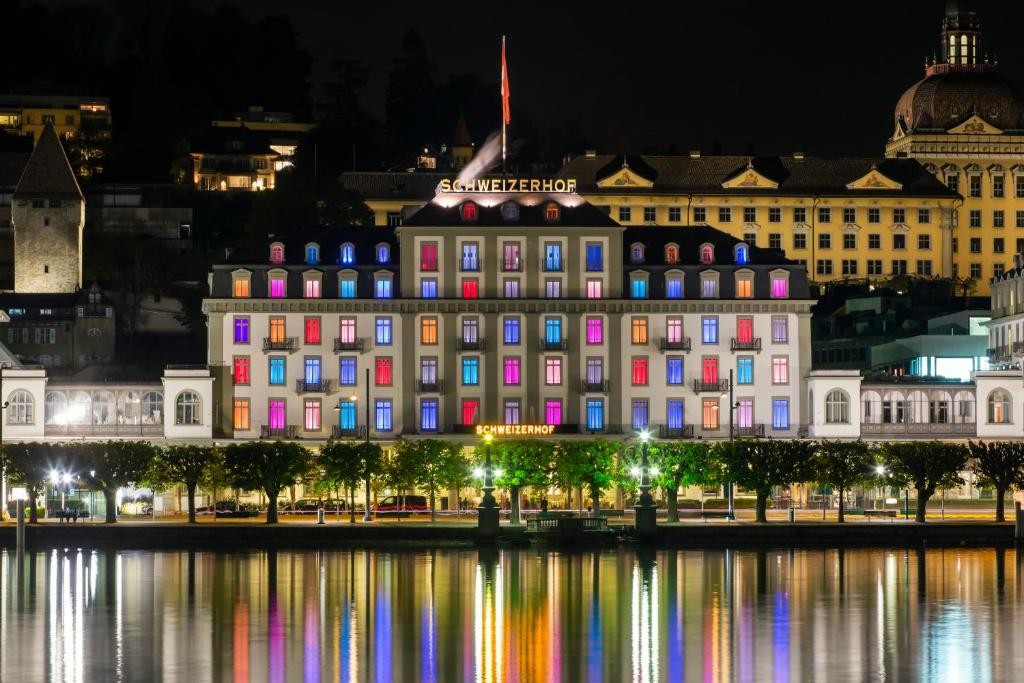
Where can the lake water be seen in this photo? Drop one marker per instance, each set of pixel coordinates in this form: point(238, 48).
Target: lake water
point(513, 615)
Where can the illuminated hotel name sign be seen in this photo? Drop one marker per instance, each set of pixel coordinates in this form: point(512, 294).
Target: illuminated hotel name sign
point(507, 185)
point(515, 430)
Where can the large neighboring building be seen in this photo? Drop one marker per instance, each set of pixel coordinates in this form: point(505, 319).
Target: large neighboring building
point(83, 120)
point(226, 158)
point(510, 308)
point(280, 130)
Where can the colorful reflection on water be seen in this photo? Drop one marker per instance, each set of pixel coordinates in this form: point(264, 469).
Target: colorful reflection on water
point(512, 615)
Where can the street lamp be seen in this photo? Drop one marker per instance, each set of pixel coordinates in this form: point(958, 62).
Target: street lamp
point(645, 469)
point(488, 488)
point(3, 457)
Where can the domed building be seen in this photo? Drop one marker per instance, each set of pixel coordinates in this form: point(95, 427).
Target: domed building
point(965, 122)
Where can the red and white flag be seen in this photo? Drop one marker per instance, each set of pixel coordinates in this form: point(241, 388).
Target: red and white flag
point(506, 109)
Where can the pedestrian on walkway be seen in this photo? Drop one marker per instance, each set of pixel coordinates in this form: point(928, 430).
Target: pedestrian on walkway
point(74, 515)
point(60, 515)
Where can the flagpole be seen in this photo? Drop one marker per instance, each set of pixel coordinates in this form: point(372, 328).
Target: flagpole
point(504, 85)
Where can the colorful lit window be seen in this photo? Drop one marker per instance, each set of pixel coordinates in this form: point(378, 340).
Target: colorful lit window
point(780, 413)
point(639, 331)
point(674, 330)
point(709, 369)
point(241, 370)
point(348, 254)
point(277, 287)
point(745, 370)
point(742, 254)
point(707, 254)
point(383, 418)
point(241, 330)
point(674, 370)
point(347, 288)
point(595, 415)
point(240, 287)
point(595, 257)
point(312, 254)
point(638, 287)
point(276, 413)
point(552, 330)
point(383, 373)
point(511, 330)
point(639, 371)
point(383, 331)
point(428, 415)
point(312, 287)
point(551, 213)
point(780, 287)
point(428, 288)
point(347, 415)
point(671, 253)
point(511, 371)
point(674, 414)
point(277, 330)
point(745, 412)
point(595, 331)
point(347, 371)
point(780, 370)
point(347, 330)
point(276, 371)
point(552, 412)
point(311, 371)
point(470, 411)
point(512, 411)
point(745, 330)
point(383, 253)
point(471, 371)
point(428, 256)
point(594, 289)
point(277, 253)
point(312, 330)
point(469, 211)
point(709, 413)
point(709, 330)
point(311, 414)
point(552, 371)
point(673, 287)
point(744, 286)
point(382, 288)
point(428, 330)
point(241, 420)
point(470, 289)
point(641, 414)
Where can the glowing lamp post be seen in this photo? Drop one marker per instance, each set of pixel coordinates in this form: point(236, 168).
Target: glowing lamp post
point(645, 510)
point(487, 523)
point(20, 495)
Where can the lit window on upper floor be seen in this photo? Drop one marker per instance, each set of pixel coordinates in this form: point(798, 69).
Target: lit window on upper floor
point(638, 286)
point(382, 286)
point(636, 253)
point(780, 284)
point(510, 212)
point(240, 286)
point(707, 254)
point(383, 253)
point(673, 285)
point(311, 286)
point(312, 254)
point(744, 285)
point(672, 253)
point(468, 211)
point(347, 286)
point(348, 254)
point(742, 253)
point(551, 212)
point(277, 253)
point(709, 285)
point(277, 286)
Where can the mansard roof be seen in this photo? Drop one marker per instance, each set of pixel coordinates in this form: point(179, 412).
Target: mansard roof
point(48, 172)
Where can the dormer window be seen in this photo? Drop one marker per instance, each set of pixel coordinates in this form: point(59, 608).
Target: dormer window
point(672, 253)
point(742, 253)
point(744, 284)
point(510, 212)
point(312, 254)
point(277, 285)
point(311, 285)
point(277, 253)
point(707, 254)
point(636, 253)
point(383, 253)
point(348, 254)
point(780, 284)
point(551, 212)
point(468, 211)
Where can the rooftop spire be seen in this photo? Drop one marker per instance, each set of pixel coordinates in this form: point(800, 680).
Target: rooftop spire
point(48, 173)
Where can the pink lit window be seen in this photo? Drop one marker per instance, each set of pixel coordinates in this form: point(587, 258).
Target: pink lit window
point(745, 330)
point(595, 331)
point(383, 372)
point(710, 368)
point(312, 415)
point(707, 254)
point(313, 288)
point(780, 288)
point(276, 414)
point(470, 289)
point(639, 371)
point(511, 371)
point(553, 412)
point(428, 256)
point(277, 288)
point(593, 289)
point(470, 411)
point(276, 254)
point(312, 330)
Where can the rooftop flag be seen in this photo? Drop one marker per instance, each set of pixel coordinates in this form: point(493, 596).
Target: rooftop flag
point(506, 110)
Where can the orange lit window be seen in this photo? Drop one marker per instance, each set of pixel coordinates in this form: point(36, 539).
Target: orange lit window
point(639, 330)
point(241, 288)
point(551, 213)
point(671, 254)
point(428, 331)
point(241, 417)
point(277, 330)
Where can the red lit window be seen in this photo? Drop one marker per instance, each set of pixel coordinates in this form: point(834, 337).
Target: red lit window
point(470, 411)
point(745, 330)
point(639, 371)
point(428, 256)
point(551, 213)
point(710, 368)
point(671, 254)
point(469, 211)
point(312, 330)
point(383, 371)
point(470, 289)
point(241, 371)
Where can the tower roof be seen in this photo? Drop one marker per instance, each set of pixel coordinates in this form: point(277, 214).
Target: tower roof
point(461, 137)
point(48, 172)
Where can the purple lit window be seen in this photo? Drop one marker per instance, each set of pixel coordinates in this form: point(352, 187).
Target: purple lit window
point(511, 371)
point(780, 288)
point(241, 330)
point(595, 331)
point(277, 288)
point(553, 412)
point(276, 414)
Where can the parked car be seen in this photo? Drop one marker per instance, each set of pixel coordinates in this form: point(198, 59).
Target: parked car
point(403, 504)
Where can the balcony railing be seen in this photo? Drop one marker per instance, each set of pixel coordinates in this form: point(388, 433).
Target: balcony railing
point(304, 387)
point(433, 386)
point(286, 432)
point(512, 265)
point(469, 265)
point(746, 344)
point(286, 344)
point(477, 344)
point(999, 353)
point(922, 428)
point(339, 432)
point(700, 386)
point(667, 344)
point(553, 344)
point(356, 344)
point(682, 432)
point(1003, 311)
point(554, 266)
point(595, 387)
point(103, 430)
point(755, 429)
point(1016, 348)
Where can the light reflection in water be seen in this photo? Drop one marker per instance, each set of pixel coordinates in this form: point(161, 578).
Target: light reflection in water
point(512, 615)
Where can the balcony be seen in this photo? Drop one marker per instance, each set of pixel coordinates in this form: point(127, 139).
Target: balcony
point(286, 344)
point(469, 265)
point(348, 344)
point(756, 429)
point(477, 344)
point(746, 344)
point(667, 344)
point(923, 429)
point(512, 265)
point(682, 432)
point(304, 387)
point(286, 432)
point(434, 386)
point(339, 432)
point(718, 386)
point(553, 344)
point(594, 387)
point(103, 430)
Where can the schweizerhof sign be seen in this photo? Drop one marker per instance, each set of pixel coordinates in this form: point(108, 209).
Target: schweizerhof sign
point(508, 185)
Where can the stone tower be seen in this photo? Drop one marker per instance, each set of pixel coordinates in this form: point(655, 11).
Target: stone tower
point(48, 214)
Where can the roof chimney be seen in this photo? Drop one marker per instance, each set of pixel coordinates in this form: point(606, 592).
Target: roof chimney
point(695, 154)
point(798, 156)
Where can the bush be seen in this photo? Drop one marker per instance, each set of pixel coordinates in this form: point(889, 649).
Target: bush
point(722, 504)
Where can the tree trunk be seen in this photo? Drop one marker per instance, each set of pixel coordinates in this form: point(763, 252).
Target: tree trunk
point(922, 505)
point(33, 516)
point(514, 517)
point(110, 498)
point(1000, 505)
point(762, 505)
point(366, 502)
point(272, 507)
point(579, 498)
point(672, 503)
point(595, 500)
point(433, 506)
point(352, 503)
point(191, 488)
point(842, 507)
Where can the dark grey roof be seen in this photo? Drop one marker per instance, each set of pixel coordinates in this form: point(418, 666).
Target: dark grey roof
point(364, 239)
point(705, 174)
point(48, 173)
point(216, 140)
point(573, 212)
point(690, 238)
point(393, 185)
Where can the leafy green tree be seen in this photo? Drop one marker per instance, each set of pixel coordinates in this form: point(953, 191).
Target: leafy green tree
point(372, 456)
point(843, 465)
point(999, 465)
point(455, 474)
point(215, 478)
point(342, 463)
point(683, 463)
point(29, 464)
point(110, 465)
point(186, 465)
point(270, 466)
point(585, 464)
point(760, 465)
point(424, 461)
point(927, 465)
point(523, 463)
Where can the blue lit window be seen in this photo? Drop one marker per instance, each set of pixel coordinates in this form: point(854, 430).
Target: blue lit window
point(347, 371)
point(595, 414)
point(348, 254)
point(383, 328)
point(277, 370)
point(312, 374)
point(638, 287)
point(780, 413)
point(511, 330)
point(553, 330)
point(347, 414)
point(428, 415)
point(595, 258)
point(674, 370)
point(674, 288)
point(428, 288)
point(312, 254)
point(382, 288)
point(744, 371)
point(383, 253)
point(640, 414)
point(471, 371)
point(742, 253)
point(382, 415)
point(347, 289)
point(553, 257)
point(675, 414)
point(709, 330)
